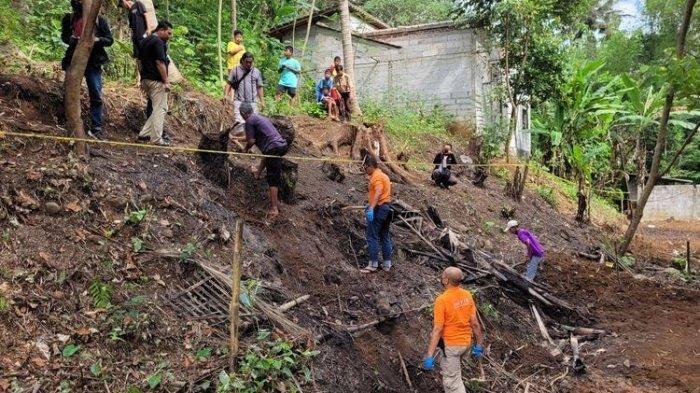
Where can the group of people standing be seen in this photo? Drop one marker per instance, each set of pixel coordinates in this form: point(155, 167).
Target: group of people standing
point(150, 49)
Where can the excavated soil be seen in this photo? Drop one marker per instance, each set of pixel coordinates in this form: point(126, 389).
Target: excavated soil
point(64, 227)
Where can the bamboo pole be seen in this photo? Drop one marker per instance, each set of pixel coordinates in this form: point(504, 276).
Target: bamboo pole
point(218, 40)
point(308, 27)
point(235, 292)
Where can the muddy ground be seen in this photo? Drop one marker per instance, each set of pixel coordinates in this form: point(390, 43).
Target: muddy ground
point(64, 227)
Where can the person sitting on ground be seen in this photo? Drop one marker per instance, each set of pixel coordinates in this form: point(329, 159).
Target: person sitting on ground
point(289, 69)
point(324, 98)
point(234, 51)
point(378, 213)
point(71, 30)
point(247, 85)
point(345, 89)
point(535, 251)
point(260, 132)
point(442, 173)
point(454, 322)
point(328, 103)
point(154, 82)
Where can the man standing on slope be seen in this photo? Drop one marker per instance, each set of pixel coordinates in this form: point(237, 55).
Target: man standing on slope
point(260, 132)
point(71, 30)
point(138, 23)
point(535, 252)
point(247, 85)
point(454, 321)
point(289, 69)
point(154, 81)
point(378, 212)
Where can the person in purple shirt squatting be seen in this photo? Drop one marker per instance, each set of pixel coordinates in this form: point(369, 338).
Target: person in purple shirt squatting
point(260, 132)
point(535, 252)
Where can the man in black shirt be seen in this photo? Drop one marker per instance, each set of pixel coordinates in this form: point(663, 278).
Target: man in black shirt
point(443, 161)
point(138, 23)
point(154, 81)
point(71, 30)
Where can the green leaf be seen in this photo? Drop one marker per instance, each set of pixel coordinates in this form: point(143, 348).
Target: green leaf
point(70, 350)
point(244, 299)
point(203, 353)
point(137, 244)
point(96, 369)
point(154, 380)
point(133, 389)
point(224, 378)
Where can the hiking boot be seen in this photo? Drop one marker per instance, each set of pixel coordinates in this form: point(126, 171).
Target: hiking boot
point(167, 137)
point(96, 133)
point(144, 139)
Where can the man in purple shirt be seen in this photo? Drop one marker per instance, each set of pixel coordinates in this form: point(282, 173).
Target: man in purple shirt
point(260, 132)
point(535, 252)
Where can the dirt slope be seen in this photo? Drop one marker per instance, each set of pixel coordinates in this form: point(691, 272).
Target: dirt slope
point(49, 257)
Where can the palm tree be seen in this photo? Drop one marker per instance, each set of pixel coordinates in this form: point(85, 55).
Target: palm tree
point(348, 55)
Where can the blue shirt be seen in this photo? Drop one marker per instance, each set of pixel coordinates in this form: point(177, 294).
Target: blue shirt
point(287, 77)
point(322, 84)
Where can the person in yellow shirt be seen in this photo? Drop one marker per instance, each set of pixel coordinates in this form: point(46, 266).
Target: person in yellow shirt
point(234, 51)
point(454, 322)
point(378, 213)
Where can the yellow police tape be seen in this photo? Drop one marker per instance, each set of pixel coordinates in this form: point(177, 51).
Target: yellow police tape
point(69, 139)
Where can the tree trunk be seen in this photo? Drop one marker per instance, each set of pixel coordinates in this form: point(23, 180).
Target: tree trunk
point(512, 125)
point(76, 71)
point(218, 41)
point(582, 203)
point(308, 27)
point(348, 55)
point(234, 17)
point(661, 137)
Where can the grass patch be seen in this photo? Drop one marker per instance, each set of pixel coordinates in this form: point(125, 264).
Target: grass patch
point(408, 124)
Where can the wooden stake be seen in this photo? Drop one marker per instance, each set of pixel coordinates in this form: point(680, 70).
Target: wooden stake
point(405, 372)
point(687, 257)
point(235, 292)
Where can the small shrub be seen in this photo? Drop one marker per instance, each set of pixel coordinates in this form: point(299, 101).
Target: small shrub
point(547, 193)
point(135, 217)
point(268, 365)
point(101, 294)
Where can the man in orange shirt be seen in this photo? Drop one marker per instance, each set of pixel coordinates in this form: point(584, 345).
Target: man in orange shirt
point(378, 212)
point(454, 322)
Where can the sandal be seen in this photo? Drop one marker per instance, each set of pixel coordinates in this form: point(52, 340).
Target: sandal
point(368, 270)
point(386, 269)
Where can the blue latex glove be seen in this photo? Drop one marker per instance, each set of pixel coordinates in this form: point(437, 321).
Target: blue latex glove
point(429, 363)
point(477, 350)
point(370, 214)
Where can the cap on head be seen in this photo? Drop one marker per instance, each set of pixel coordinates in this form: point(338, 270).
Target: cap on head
point(511, 224)
point(453, 275)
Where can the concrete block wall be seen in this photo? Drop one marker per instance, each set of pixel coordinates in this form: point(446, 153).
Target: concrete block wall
point(680, 202)
point(437, 67)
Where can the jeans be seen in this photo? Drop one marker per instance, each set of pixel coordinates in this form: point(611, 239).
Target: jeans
point(378, 233)
point(531, 269)
point(93, 78)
